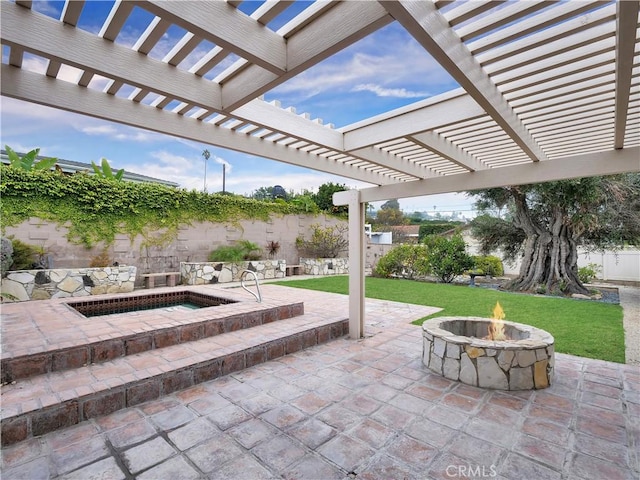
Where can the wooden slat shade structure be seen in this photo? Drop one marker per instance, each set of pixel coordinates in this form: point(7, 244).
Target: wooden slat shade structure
point(548, 90)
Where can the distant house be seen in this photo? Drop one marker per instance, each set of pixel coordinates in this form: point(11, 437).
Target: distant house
point(405, 233)
point(395, 234)
point(69, 167)
point(377, 238)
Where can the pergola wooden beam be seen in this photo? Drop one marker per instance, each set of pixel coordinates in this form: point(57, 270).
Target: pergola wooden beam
point(226, 27)
point(627, 23)
point(342, 25)
point(388, 160)
point(427, 25)
point(84, 51)
point(87, 52)
point(594, 164)
point(29, 86)
point(419, 117)
point(446, 149)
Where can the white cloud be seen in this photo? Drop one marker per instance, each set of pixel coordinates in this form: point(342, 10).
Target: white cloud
point(47, 8)
point(221, 161)
point(19, 109)
point(444, 203)
point(396, 60)
point(34, 64)
point(116, 132)
point(21, 147)
point(334, 74)
point(99, 130)
point(388, 92)
point(168, 166)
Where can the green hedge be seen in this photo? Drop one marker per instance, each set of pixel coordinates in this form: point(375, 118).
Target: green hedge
point(405, 261)
point(488, 265)
point(435, 228)
point(96, 209)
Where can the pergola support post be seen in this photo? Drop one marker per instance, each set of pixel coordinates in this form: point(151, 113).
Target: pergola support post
point(356, 264)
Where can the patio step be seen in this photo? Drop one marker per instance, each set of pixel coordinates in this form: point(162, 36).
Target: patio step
point(76, 340)
point(47, 402)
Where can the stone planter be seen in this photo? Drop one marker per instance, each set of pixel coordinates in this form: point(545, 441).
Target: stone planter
point(23, 285)
point(201, 273)
point(325, 266)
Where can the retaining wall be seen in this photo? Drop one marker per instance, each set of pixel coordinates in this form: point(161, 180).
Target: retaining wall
point(325, 266)
point(193, 243)
point(200, 273)
point(22, 285)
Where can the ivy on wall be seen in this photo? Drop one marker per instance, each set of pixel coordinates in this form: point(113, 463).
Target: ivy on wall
point(95, 209)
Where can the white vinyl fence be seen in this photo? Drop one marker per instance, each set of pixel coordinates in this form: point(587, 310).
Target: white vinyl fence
point(623, 265)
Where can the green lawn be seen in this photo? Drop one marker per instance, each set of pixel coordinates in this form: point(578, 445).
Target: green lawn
point(583, 328)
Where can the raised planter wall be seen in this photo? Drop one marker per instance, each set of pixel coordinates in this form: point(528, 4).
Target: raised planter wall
point(325, 266)
point(22, 285)
point(193, 242)
point(200, 273)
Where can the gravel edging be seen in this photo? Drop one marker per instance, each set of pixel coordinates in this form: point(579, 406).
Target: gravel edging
point(630, 302)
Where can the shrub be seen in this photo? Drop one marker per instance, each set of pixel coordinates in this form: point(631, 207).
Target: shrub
point(489, 265)
point(101, 260)
point(406, 261)
point(227, 253)
point(6, 255)
point(448, 258)
point(273, 248)
point(243, 250)
point(325, 242)
point(588, 273)
point(435, 227)
point(26, 256)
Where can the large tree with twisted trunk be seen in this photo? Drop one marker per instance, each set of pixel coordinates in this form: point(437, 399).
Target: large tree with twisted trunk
point(544, 225)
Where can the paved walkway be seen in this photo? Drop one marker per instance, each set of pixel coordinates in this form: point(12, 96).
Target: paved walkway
point(630, 302)
point(357, 409)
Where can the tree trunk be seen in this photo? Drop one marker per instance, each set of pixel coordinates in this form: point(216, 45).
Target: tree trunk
point(549, 263)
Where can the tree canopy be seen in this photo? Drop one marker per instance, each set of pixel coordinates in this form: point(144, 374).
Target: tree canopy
point(392, 204)
point(545, 223)
point(324, 198)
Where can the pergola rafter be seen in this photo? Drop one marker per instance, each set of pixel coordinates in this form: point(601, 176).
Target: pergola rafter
point(627, 20)
point(430, 29)
point(65, 96)
point(226, 27)
point(308, 42)
point(549, 90)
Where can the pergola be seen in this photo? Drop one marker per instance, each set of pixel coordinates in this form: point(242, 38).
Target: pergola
point(548, 90)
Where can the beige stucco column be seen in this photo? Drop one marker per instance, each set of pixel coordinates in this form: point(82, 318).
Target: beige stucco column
point(356, 259)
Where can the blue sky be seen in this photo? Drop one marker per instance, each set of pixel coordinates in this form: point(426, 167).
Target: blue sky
point(381, 72)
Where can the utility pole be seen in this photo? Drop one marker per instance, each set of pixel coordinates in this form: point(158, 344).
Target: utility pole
point(206, 154)
point(224, 172)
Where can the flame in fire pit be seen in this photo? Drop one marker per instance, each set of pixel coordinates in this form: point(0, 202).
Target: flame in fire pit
point(496, 328)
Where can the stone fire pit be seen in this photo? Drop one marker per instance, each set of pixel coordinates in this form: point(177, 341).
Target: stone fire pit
point(454, 347)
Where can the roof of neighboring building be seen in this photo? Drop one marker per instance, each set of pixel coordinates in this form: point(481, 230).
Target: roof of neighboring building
point(69, 166)
point(409, 230)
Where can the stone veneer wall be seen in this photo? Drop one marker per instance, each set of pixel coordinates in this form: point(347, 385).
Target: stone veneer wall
point(524, 364)
point(25, 285)
point(325, 266)
point(200, 273)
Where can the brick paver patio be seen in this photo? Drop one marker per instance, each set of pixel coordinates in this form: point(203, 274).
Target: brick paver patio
point(357, 409)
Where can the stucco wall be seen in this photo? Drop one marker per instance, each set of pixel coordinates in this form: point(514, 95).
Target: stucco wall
point(193, 243)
